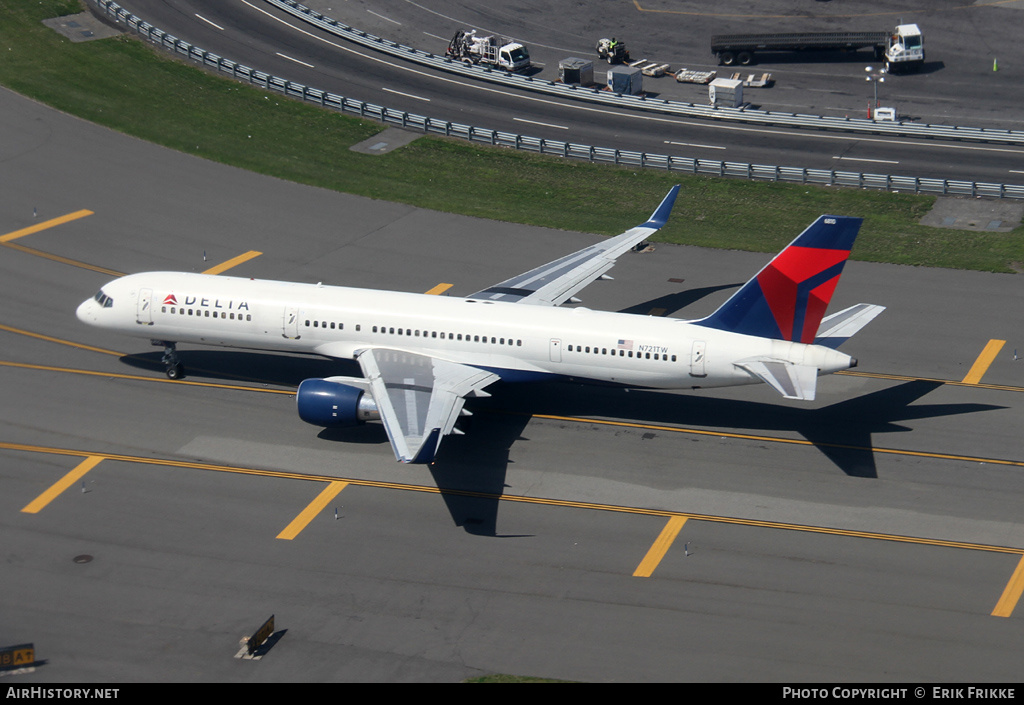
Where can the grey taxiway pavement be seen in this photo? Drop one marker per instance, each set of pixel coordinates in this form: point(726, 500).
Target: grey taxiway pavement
point(874, 535)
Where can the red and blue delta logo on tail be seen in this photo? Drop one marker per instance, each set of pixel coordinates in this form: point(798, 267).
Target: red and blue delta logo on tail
point(788, 298)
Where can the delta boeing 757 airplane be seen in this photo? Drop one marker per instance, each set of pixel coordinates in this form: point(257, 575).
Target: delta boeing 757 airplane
point(422, 356)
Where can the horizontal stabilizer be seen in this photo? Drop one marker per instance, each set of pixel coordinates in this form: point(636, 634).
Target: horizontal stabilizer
point(789, 380)
point(840, 327)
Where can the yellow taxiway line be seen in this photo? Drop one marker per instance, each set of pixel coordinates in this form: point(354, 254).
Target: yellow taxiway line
point(63, 260)
point(439, 289)
point(62, 484)
point(981, 365)
point(59, 341)
point(8, 239)
point(774, 439)
point(315, 507)
point(144, 378)
point(676, 520)
point(233, 262)
point(572, 419)
point(660, 547)
point(46, 224)
point(1012, 592)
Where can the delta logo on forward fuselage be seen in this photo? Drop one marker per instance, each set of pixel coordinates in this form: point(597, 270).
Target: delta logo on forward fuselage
point(205, 302)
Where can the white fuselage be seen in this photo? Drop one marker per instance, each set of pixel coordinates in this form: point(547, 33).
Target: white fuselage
point(516, 341)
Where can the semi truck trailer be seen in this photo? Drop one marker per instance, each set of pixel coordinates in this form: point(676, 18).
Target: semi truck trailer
point(901, 48)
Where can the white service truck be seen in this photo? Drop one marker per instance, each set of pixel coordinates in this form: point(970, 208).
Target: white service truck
point(493, 51)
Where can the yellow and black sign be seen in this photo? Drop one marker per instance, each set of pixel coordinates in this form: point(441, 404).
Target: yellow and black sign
point(18, 656)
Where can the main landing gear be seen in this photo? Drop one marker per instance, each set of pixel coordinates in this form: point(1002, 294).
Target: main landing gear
point(174, 368)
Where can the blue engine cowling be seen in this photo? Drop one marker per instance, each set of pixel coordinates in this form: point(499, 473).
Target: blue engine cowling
point(322, 402)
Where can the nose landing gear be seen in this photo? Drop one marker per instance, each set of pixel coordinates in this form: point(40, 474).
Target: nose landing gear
point(173, 367)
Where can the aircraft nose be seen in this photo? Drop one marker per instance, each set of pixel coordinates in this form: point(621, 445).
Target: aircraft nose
point(85, 312)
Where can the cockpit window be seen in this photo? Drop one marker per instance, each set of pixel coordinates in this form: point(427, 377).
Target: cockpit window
point(103, 300)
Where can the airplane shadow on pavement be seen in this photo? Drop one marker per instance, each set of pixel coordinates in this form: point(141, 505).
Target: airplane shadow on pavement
point(843, 431)
point(470, 469)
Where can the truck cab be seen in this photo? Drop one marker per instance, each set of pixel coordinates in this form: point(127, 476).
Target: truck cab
point(905, 49)
point(514, 57)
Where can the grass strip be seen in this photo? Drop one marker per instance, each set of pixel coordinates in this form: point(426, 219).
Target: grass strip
point(127, 85)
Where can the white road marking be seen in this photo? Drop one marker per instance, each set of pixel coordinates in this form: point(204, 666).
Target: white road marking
point(542, 124)
point(856, 159)
point(213, 24)
point(383, 17)
point(284, 56)
point(687, 144)
point(407, 95)
point(645, 117)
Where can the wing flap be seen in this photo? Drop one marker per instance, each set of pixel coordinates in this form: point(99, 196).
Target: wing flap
point(419, 397)
point(556, 282)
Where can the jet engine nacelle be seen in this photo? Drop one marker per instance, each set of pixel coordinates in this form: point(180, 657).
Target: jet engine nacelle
point(322, 402)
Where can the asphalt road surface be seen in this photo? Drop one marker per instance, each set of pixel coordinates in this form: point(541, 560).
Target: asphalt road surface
point(957, 85)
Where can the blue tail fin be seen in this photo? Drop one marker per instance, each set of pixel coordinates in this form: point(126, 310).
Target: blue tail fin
point(787, 299)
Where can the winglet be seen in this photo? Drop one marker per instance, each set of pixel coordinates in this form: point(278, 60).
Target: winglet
point(558, 281)
point(660, 215)
point(427, 450)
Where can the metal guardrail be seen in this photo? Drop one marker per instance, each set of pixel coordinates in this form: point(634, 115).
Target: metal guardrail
point(604, 155)
point(693, 110)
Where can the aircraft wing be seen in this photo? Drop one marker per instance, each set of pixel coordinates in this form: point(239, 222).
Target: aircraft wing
point(419, 397)
point(556, 282)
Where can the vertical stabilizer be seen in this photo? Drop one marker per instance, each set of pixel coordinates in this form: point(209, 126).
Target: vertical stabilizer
point(787, 299)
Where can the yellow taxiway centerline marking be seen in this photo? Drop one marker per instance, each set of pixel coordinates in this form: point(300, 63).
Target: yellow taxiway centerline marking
point(233, 262)
point(981, 365)
point(1012, 593)
point(676, 520)
point(790, 441)
point(315, 507)
point(62, 260)
point(44, 225)
point(143, 378)
point(62, 484)
point(439, 289)
point(291, 475)
point(660, 547)
point(572, 419)
point(60, 341)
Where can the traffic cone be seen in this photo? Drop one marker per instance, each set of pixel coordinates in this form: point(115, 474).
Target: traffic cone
point(995, 65)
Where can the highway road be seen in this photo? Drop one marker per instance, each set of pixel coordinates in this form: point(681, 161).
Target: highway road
point(957, 85)
point(572, 533)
